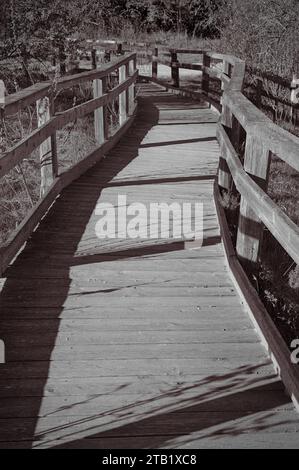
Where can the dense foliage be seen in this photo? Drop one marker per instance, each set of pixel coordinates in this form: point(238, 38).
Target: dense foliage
point(25, 24)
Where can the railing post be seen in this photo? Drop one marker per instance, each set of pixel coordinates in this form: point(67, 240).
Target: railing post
point(122, 96)
point(46, 152)
point(62, 59)
point(206, 62)
point(55, 169)
point(155, 64)
point(99, 127)
point(175, 70)
point(294, 99)
point(100, 114)
point(232, 125)
point(250, 229)
point(226, 115)
point(131, 92)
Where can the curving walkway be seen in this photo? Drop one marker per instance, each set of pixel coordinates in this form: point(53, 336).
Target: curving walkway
point(136, 344)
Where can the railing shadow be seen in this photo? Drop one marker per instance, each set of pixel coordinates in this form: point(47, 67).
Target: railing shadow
point(37, 285)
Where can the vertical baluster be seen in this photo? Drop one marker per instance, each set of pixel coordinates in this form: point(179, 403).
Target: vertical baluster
point(205, 76)
point(131, 95)
point(155, 64)
point(2, 97)
point(99, 88)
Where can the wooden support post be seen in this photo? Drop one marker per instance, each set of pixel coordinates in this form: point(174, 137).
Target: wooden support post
point(226, 115)
point(99, 118)
point(2, 97)
point(55, 168)
point(155, 64)
point(294, 99)
point(45, 149)
point(259, 89)
point(175, 70)
point(237, 135)
point(224, 175)
point(127, 90)
point(98, 87)
point(119, 50)
point(62, 59)
point(250, 229)
point(205, 75)
point(131, 94)
point(122, 97)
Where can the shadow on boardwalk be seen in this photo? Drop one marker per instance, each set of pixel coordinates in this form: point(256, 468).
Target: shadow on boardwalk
point(24, 303)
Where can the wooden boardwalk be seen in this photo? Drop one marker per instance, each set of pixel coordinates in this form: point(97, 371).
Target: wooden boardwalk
point(129, 343)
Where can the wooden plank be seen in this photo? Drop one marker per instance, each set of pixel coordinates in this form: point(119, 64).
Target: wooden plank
point(129, 337)
point(153, 333)
point(155, 63)
point(265, 326)
point(250, 228)
point(132, 368)
point(45, 149)
point(17, 101)
point(85, 405)
point(250, 351)
point(192, 419)
point(202, 440)
point(116, 386)
point(98, 113)
point(25, 147)
point(283, 229)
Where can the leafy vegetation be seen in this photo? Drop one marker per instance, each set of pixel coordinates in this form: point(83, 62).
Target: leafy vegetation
point(36, 34)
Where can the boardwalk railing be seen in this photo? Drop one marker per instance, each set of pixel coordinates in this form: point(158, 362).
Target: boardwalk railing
point(263, 138)
point(273, 94)
point(248, 139)
point(49, 122)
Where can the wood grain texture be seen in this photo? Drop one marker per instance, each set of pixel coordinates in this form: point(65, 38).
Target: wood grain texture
point(136, 343)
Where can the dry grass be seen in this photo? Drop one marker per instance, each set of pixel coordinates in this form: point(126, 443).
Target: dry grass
point(19, 190)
